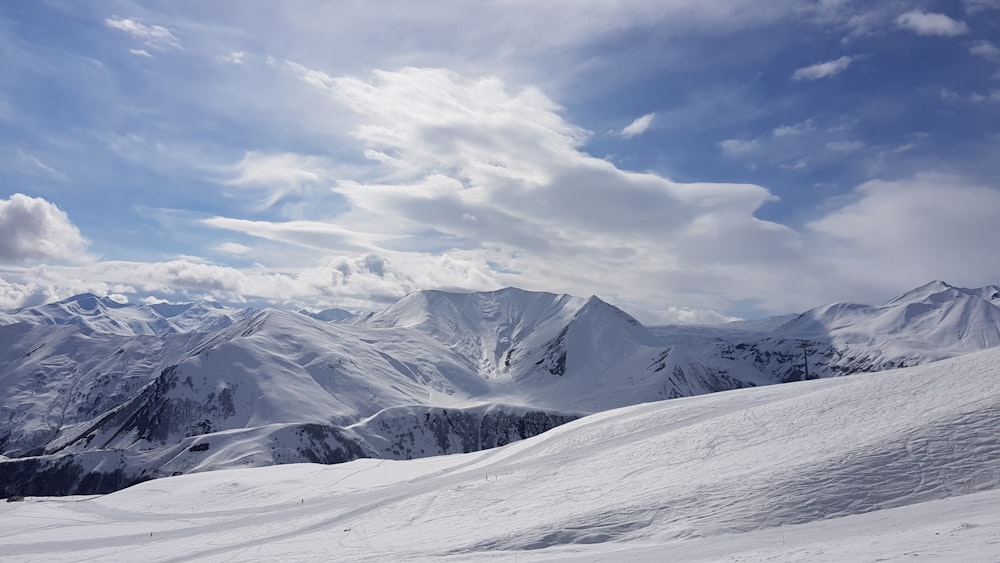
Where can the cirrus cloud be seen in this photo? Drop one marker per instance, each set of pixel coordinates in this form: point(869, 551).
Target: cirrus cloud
point(155, 36)
point(823, 70)
point(271, 177)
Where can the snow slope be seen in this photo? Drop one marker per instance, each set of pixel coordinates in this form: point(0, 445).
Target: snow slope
point(554, 352)
point(929, 323)
point(91, 410)
point(506, 333)
point(936, 319)
point(95, 395)
point(102, 315)
point(807, 471)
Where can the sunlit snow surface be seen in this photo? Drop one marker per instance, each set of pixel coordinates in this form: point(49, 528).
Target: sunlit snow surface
point(887, 466)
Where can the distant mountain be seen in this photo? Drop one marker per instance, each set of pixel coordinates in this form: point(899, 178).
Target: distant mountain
point(556, 352)
point(512, 334)
point(929, 323)
point(495, 331)
point(95, 394)
point(95, 315)
point(101, 315)
point(935, 316)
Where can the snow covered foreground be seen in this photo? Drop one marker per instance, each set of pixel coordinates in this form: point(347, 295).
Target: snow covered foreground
point(894, 465)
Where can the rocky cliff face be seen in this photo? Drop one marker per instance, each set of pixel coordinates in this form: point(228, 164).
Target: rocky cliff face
point(401, 433)
point(412, 432)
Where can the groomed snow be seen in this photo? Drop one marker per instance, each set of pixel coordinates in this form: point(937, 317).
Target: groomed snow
point(870, 467)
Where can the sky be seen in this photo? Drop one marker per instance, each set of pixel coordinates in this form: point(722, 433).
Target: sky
point(688, 161)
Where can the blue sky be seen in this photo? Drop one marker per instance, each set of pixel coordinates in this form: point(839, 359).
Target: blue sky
point(686, 160)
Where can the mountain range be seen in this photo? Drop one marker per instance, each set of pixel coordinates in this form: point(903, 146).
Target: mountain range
point(96, 395)
point(901, 466)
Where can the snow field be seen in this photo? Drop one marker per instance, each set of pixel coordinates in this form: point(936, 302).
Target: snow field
point(871, 466)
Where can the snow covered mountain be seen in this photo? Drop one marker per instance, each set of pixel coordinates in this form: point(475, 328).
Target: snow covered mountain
point(554, 351)
point(96, 395)
point(930, 323)
point(813, 471)
point(92, 314)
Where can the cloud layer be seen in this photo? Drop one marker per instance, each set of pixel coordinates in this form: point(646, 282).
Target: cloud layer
point(254, 155)
point(499, 176)
point(909, 229)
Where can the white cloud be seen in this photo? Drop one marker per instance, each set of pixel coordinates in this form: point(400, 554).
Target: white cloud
point(233, 248)
point(976, 6)
point(495, 184)
point(315, 235)
point(140, 53)
point(933, 24)
point(155, 36)
point(993, 96)
point(515, 31)
point(986, 50)
point(547, 215)
point(795, 130)
point(913, 230)
point(273, 176)
point(950, 96)
point(637, 127)
point(15, 295)
point(908, 230)
point(822, 70)
point(550, 216)
point(739, 147)
point(864, 24)
point(33, 229)
point(687, 315)
point(37, 286)
point(795, 147)
point(800, 164)
point(235, 57)
point(365, 281)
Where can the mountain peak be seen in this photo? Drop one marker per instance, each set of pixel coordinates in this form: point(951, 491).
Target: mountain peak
point(923, 292)
point(472, 310)
point(86, 301)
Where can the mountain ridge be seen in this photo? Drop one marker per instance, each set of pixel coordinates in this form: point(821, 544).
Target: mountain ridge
point(79, 379)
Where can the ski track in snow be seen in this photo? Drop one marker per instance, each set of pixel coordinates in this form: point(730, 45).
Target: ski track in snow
point(889, 466)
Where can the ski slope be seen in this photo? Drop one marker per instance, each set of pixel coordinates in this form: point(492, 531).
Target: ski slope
point(882, 466)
